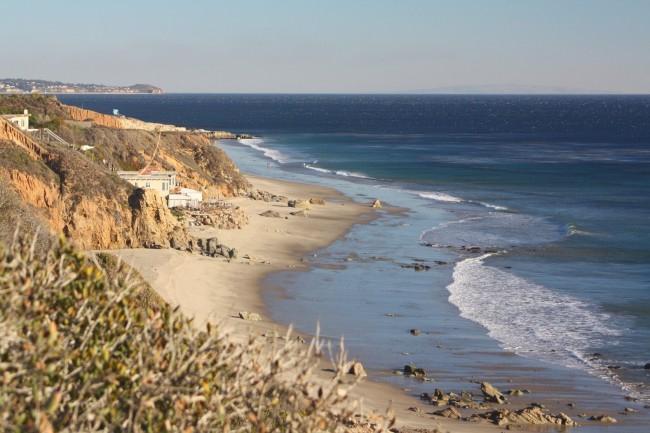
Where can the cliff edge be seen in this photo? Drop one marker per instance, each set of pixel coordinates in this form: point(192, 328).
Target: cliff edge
point(74, 192)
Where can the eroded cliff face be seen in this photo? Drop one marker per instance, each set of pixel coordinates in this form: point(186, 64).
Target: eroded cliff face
point(96, 210)
point(39, 193)
point(77, 193)
point(81, 114)
point(153, 222)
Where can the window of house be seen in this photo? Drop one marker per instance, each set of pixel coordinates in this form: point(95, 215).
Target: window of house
point(147, 185)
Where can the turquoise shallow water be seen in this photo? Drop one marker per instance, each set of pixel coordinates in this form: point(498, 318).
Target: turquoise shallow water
point(556, 188)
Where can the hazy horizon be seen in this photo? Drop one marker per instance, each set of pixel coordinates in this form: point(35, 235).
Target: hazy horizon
point(382, 46)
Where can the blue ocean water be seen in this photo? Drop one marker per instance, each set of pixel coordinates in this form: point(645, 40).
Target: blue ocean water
point(555, 190)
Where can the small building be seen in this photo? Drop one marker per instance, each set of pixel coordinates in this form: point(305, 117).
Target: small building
point(185, 197)
point(161, 181)
point(20, 120)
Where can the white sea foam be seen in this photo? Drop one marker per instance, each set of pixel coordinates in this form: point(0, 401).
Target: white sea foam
point(493, 206)
point(318, 169)
point(448, 198)
point(352, 174)
point(574, 230)
point(336, 172)
point(527, 318)
point(256, 143)
point(440, 196)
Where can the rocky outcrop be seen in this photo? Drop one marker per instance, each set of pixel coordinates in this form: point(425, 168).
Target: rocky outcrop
point(518, 392)
point(417, 267)
point(266, 196)
point(450, 412)
point(212, 248)
point(532, 415)
point(95, 209)
point(605, 419)
point(492, 394)
point(411, 370)
point(464, 400)
point(271, 214)
point(225, 218)
point(153, 224)
point(252, 317)
point(300, 204)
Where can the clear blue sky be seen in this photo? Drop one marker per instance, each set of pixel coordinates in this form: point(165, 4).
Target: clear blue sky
point(331, 45)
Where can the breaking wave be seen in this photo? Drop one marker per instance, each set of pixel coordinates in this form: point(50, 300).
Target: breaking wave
point(256, 143)
point(493, 206)
point(318, 169)
point(352, 174)
point(574, 230)
point(448, 198)
point(440, 196)
point(527, 318)
point(337, 172)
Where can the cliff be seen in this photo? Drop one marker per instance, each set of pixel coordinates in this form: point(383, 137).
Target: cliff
point(77, 194)
point(128, 144)
point(72, 197)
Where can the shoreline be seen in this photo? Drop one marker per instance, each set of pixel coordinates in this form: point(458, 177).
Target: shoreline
point(216, 290)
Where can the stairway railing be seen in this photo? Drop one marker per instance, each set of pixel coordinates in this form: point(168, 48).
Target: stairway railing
point(11, 132)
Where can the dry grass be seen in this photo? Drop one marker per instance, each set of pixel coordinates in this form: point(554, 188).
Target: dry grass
point(79, 353)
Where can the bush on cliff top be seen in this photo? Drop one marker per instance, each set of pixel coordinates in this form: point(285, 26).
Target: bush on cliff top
point(79, 352)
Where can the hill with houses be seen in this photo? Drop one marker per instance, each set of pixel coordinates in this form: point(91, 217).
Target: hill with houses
point(22, 85)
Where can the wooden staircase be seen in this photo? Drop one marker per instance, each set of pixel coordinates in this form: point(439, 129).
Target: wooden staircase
point(49, 136)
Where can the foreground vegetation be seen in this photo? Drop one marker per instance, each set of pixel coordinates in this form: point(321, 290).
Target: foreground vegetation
point(84, 347)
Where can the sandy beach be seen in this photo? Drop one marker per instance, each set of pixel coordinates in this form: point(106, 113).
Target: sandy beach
point(216, 290)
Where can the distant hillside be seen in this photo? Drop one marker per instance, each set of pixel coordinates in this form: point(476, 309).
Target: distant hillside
point(20, 85)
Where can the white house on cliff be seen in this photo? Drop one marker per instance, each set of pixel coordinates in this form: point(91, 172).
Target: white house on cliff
point(165, 183)
point(20, 120)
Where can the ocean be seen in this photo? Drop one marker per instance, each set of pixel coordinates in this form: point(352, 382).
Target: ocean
point(552, 191)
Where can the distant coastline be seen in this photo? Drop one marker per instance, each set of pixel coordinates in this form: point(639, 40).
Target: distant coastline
point(21, 86)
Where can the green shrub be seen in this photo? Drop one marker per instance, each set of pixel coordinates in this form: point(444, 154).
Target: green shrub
point(79, 353)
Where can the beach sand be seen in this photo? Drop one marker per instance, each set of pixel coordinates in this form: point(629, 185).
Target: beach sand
point(215, 290)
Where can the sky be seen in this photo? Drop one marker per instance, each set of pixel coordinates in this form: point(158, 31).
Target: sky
point(332, 46)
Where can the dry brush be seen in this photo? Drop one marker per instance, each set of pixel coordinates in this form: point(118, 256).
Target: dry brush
point(81, 352)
